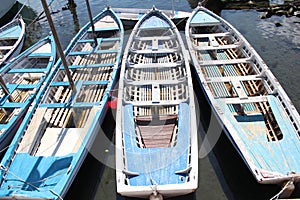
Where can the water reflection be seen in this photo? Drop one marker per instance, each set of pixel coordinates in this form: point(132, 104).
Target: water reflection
point(71, 5)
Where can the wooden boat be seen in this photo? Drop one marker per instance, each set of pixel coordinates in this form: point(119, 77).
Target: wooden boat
point(12, 36)
point(130, 16)
point(6, 5)
point(257, 115)
point(156, 134)
point(55, 136)
point(20, 82)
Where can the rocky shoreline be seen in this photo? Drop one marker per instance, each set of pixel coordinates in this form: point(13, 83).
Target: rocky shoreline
point(288, 9)
point(268, 7)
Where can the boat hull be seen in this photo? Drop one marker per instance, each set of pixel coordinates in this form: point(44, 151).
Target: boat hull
point(156, 131)
point(130, 16)
point(13, 31)
point(12, 113)
point(55, 136)
point(220, 54)
point(167, 191)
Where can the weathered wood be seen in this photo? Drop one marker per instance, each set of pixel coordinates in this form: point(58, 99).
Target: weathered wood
point(37, 125)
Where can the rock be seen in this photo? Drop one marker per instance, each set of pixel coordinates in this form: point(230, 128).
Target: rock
point(269, 14)
point(278, 24)
point(262, 16)
point(290, 11)
point(297, 13)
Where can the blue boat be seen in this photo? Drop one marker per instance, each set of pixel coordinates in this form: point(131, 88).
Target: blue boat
point(21, 80)
point(255, 112)
point(55, 136)
point(156, 134)
point(12, 36)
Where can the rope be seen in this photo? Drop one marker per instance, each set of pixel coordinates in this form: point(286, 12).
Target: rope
point(20, 179)
point(282, 190)
point(4, 149)
point(42, 180)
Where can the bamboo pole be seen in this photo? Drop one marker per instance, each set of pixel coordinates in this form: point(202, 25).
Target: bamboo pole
point(5, 89)
point(91, 19)
point(59, 48)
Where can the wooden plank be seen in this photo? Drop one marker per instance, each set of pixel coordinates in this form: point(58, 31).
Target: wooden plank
point(254, 99)
point(37, 124)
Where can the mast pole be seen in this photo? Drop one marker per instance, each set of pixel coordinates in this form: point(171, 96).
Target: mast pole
point(91, 20)
point(58, 45)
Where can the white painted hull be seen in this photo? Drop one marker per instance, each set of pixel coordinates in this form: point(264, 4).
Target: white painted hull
point(15, 49)
point(163, 161)
point(130, 16)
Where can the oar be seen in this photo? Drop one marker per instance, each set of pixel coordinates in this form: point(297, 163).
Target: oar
point(58, 45)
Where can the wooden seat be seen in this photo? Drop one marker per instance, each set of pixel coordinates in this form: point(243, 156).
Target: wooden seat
point(156, 131)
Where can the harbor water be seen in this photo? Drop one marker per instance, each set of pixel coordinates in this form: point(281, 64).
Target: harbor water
point(222, 173)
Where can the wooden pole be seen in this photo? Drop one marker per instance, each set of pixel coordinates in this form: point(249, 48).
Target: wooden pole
point(58, 45)
point(5, 89)
point(173, 9)
point(91, 20)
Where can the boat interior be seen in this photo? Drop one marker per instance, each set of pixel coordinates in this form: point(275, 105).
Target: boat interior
point(63, 118)
point(233, 75)
point(244, 91)
point(155, 83)
point(22, 79)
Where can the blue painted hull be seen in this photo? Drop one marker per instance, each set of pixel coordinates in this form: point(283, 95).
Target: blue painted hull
point(48, 150)
point(17, 110)
point(250, 105)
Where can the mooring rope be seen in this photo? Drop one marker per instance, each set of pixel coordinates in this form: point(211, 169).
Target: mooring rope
point(35, 187)
point(283, 189)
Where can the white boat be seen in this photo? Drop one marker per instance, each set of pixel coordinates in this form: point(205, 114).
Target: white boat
point(60, 127)
point(156, 130)
point(12, 36)
point(6, 5)
point(130, 16)
point(250, 104)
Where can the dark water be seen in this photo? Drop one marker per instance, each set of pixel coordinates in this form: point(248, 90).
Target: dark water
point(222, 174)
